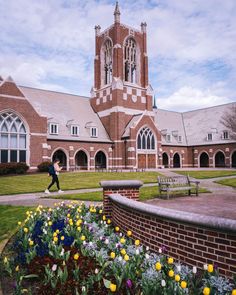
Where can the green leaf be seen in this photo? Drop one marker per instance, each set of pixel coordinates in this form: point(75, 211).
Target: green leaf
point(107, 283)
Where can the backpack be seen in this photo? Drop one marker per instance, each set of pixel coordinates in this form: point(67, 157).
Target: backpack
point(51, 170)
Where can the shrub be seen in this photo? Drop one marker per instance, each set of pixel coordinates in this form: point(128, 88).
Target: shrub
point(43, 167)
point(13, 168)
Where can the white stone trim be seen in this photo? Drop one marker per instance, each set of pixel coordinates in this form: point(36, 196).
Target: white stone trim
point(12, 96)
point(118, 109)
point(131, 158)
point(38, 134)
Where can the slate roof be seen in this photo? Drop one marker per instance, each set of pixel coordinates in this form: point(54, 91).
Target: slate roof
point(66, 109)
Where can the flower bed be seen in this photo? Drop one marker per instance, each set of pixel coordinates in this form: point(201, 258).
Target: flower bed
point(76, 250)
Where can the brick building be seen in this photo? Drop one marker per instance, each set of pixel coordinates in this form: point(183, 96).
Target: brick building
point(118, 127)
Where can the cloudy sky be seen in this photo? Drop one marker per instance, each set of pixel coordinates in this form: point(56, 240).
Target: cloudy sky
point(191, 46)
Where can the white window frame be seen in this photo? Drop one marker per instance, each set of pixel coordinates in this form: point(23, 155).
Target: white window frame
point(92, 133)
point(224, 133)
point(51, 125)
point(168, 137)
point(209, 136)
point(72, 127)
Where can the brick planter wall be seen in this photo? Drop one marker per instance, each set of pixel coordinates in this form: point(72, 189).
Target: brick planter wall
point(191, 238)
point(127, 188)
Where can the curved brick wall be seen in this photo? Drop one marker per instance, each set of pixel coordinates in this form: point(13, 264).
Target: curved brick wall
point(191, 238)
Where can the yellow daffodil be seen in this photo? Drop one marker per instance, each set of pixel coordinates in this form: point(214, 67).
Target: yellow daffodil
point(55, 239)
point(68, 215)
point(113, 255)
point(26, 229)
point(117, 228)
point(206, 291)
point(177, 278)
point(170, 260)
point(122, 240)
point(171, 273)
point(122, 251)
point(5, 260)
point(78, 222)
point(19, 222)
point(17, 268)
point(49, 223)
point(78, 228)
point(129, 233)
point(57, 231)
point(126, 257)
point(104, 217)
point(183, 284)
point(210, 268)
point(158, 266)
point(76, 256)
point(100, 211)
point(112, 287)
point(233, 292)
point(62, 238)
point(82, 238)
point(137, 242)
point(108, 221)
point(54, 234)
point(31, 243)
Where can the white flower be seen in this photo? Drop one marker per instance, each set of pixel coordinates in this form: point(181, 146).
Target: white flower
point(106, 241)
point(121, 234)
point(147, 256)
point(137, 251)
point(54, 267)
point(90, 243)
point(96, 271)
point(117, 245)
point(205, 266)
point(100, 238)
point(84, 243)
point(160, 250)
point(44, 231)
point(101, 222)
point(85, 222)
point(194, 269)
point(106, 225)
point(178, 267)
point(163, 283)
point(62, 252)
point(147, 248)
point(120, 258)
point(83, 289)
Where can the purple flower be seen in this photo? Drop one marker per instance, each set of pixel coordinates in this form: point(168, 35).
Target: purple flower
point(129, 284)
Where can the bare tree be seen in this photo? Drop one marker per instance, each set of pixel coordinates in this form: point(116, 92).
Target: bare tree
point(229, 121)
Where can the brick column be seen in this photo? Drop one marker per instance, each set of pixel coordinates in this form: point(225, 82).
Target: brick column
point(126, 188)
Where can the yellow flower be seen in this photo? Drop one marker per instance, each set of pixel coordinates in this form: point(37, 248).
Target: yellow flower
point(183, 284)
point(129, 233)
point(126, 257)
point(210, 268)
point(62, 238)
point(122, 240)
point(78, 222)
point(76, 256)
point(5, 260)
point(31, 243)
point(17, 268)
point(117, 228)
point(177, 278)
point(171, 273)
point(82, 238)
point(122, 251)
point(108, 221)
point(100, 211)
point(55, 239)
point(158, 266)
point(233, 292)
point(137, 242)
point(54, 234)
point(170, 260)
point(26, 229)
point(49, 223)
point(206, 291)
point(57, 231)
point(104, 217)
point(68, 215)
point(78, 228)
point(19, 222)
point(112, 287)
point(113, 255)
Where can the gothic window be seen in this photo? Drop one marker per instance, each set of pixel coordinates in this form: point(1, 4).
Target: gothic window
point(108, 62)
point(130, 62)
point(13, 135)
point(146, 139)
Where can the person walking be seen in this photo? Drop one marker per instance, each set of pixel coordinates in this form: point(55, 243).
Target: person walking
point(54, 172)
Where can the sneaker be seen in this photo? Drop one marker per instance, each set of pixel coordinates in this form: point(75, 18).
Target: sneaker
point(47, 192)
point(60, 191)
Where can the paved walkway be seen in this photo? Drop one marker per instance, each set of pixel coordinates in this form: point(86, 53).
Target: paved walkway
point(220, 202)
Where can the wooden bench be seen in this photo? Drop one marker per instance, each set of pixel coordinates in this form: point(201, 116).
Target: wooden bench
point(177, 183)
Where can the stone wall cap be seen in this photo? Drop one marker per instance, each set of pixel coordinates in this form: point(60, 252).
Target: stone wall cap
point(217, 223)
point(121, 183)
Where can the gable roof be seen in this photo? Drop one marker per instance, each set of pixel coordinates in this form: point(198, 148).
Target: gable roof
point(66, 110)
point(8, 87)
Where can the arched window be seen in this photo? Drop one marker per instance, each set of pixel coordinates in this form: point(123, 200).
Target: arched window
point(146, 139)
point(108, 62)
point(130, 62)
point(13, 138)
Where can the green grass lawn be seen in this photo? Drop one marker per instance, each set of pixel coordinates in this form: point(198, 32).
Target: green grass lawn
point(207, 173)
point(229, 182)
point(146, 193)
point(9, 216)
point(30, 183)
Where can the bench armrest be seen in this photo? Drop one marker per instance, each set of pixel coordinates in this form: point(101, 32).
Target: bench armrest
point(164, 183)
point(194, 181)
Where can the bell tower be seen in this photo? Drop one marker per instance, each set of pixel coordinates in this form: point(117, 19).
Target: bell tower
point(121, 89)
